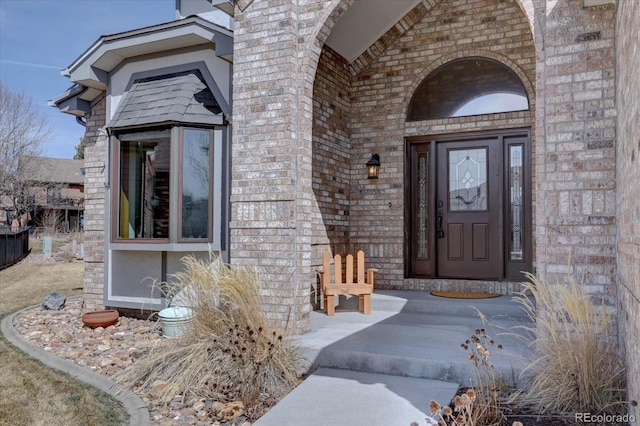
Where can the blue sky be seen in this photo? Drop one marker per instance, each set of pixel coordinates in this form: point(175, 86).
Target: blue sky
point(38, 38)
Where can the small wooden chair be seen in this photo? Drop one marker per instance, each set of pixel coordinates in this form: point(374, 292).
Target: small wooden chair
point(361, 288)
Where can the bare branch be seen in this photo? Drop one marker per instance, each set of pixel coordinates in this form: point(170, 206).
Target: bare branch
point(24, 130)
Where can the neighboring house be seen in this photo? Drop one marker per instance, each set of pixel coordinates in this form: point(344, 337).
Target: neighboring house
point(54, 192)
point(506, 132)
point(57, 188)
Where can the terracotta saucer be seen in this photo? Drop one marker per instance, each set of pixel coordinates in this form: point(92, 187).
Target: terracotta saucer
point(100, 318)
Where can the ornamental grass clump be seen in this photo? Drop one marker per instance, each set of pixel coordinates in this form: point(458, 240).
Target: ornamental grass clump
point(231, 351)
point(575, 366)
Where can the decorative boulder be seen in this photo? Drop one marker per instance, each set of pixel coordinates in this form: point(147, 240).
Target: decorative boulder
point(54, 301)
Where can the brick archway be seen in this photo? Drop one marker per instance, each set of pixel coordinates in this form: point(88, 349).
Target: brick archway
point(312, 72)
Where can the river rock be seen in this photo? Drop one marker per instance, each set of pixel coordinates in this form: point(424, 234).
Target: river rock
point(65, 336)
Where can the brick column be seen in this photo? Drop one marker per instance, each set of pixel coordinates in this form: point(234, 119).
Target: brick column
point(576, 219)
point(271, 173)
point(94, 207)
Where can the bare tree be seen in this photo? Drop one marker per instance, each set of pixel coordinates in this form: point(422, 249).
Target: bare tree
point(23, 131)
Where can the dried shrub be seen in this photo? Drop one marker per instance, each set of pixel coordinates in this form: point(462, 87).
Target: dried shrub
point(489, 387)
point(231, 352)
point(575, 366)
point(480, 405)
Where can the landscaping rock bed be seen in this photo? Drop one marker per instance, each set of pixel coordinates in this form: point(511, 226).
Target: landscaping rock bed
point(109, 350)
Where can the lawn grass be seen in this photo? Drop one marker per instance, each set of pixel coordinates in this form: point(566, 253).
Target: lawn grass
point(31, 393)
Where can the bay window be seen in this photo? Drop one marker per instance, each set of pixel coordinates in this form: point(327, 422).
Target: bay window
point(164, 185)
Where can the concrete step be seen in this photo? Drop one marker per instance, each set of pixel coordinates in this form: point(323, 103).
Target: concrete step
point(416, 335)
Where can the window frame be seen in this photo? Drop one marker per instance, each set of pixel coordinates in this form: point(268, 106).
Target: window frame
point(176, 140)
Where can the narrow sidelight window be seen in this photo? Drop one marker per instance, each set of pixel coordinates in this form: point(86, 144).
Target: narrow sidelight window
point(195, 188)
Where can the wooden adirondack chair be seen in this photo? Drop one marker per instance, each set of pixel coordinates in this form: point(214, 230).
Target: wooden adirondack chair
point(335, 285)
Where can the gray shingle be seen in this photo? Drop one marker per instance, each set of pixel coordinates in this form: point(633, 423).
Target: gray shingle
point(179, 97)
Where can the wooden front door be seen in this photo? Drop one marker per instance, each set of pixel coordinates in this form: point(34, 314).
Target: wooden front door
point(468, 210)
point(469, 206)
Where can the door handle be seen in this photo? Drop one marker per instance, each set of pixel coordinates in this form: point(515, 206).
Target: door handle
point(440, 231)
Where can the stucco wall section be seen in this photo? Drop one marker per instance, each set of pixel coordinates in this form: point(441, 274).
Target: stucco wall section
point(95, 156)
point(628, 203)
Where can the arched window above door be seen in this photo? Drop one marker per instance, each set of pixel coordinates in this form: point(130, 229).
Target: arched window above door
point(465, 87)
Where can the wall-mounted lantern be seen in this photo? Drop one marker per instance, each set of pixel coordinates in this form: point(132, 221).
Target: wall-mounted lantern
point(373, 166)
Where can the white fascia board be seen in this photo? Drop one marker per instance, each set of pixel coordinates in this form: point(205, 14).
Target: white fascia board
point(107, 52)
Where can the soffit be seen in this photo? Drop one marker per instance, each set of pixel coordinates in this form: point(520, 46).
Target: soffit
point(364, 23)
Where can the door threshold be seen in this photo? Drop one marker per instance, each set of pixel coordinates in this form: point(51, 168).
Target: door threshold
point(449, 284)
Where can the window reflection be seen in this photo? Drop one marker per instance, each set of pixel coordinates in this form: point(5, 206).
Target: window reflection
point(493, 103)
point(465, 87)
point(144, 185)
point(196, 152)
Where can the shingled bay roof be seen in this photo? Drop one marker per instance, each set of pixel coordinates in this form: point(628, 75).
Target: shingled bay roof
point(181, 97)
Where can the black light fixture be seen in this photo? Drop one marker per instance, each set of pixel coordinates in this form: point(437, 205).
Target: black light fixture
point(373, 166)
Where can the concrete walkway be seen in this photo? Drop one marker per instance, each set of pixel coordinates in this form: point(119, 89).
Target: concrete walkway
point(384, 368)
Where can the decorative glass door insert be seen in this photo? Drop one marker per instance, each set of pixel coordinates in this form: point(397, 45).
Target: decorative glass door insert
point(468, 180)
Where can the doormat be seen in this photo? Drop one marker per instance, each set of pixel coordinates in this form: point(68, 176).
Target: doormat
point(464, 294)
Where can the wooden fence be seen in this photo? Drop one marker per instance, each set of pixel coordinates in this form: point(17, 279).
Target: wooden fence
point(14, 246)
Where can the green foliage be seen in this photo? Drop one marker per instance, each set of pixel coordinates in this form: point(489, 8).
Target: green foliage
point(82, 144)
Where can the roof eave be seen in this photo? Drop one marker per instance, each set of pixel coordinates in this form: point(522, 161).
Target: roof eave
point(92, 67)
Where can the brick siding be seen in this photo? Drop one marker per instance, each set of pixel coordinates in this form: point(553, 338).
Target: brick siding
point(95, 156)
point(305, 123)
point(381, 95)
point(577, 225)
point(628, 190)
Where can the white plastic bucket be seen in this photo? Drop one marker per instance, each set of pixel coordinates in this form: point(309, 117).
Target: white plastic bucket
point(175, 321)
